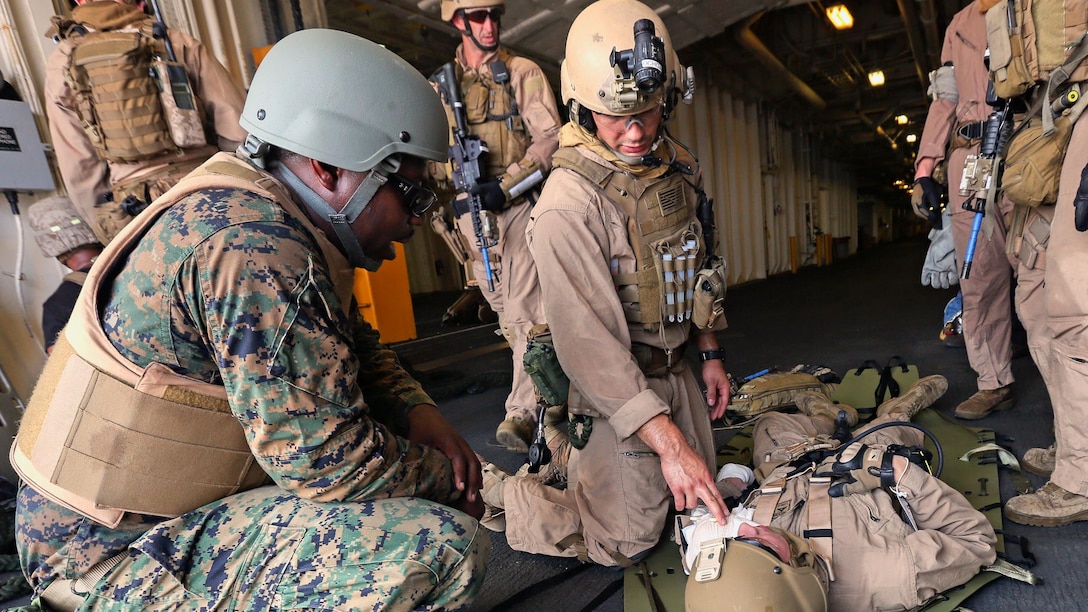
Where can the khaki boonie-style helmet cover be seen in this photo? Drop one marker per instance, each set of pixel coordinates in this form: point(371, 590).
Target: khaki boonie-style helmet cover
point(344, 100)
point(753, 579)
point(449, 7)
point(586, 74)
point(57, 226)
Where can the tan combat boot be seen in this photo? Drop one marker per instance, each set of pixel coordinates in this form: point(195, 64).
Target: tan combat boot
point(983, 403)
point(1050, 506)
point(1039, 460)
point(918, 397)
point(816, 404)
point(515, 433)
point(491, 492)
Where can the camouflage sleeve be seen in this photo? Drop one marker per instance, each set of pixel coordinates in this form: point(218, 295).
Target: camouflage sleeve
point(251, 304)
point(390, 391)
point(298, 380)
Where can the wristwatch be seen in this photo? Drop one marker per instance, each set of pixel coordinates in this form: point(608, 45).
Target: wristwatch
point(718, 354)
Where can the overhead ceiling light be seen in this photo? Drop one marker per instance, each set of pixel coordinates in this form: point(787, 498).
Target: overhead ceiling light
point(876, 78)
point(840, 17)
point(912, 137)
point(902, 119)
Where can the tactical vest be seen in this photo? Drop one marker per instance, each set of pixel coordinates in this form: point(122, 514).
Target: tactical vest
point(1030, 39)
point(111, 59)
point(103, 436)
point(785, 491)
point(493, 115)
point(662, 231)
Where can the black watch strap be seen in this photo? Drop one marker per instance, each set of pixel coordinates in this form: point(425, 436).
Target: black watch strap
point(718, 354)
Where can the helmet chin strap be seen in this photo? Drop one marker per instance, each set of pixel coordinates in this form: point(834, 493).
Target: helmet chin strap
point(341, 221)
point(468, 32)
point(642, 159)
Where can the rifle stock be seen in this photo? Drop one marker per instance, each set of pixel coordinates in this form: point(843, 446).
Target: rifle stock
point(467, 156)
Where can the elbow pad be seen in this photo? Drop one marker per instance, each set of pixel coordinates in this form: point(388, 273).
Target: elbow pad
point(942, 85)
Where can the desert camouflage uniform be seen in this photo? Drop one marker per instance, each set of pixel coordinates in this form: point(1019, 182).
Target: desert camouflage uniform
point(230, 288)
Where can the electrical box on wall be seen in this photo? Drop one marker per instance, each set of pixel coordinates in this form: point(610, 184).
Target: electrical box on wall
point(23, 166)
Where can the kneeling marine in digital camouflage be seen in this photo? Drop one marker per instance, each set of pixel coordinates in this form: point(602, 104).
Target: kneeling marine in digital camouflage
point(244, 441)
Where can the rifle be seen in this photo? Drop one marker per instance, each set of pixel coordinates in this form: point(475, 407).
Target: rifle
point(982, 172)
point(468, 156)
point(704, 211)
point(158, 30)
point(176, 93)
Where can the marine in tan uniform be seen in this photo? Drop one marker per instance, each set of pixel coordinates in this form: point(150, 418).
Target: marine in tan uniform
point(1064, 499)
point(959, 105)
point(593, 241)
point(875, 560)
point(512, 109)
point(88, 177)
point(253, 446)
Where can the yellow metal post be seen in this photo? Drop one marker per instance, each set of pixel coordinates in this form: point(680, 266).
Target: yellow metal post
point(385, 300)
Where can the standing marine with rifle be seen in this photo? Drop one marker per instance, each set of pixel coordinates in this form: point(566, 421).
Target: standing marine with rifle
point(132, 108)
point(508, 120)
point(953, 132)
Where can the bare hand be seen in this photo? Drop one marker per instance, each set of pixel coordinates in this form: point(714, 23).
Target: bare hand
point(426, 426)
point(717, 388)
point(690, 481)
point(474, 508)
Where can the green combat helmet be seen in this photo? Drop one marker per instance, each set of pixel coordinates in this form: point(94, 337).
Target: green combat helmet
point(343, 100)
point(350, 103)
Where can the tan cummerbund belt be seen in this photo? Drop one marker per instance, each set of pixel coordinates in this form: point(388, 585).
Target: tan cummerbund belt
point(136, 452)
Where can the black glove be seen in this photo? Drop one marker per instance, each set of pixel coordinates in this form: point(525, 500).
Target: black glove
point(861, 468)
point(928, 205)
point(491, 195)
point(1080, 202)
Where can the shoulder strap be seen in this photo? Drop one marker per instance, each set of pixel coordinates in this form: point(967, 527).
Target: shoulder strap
point(1060, 75)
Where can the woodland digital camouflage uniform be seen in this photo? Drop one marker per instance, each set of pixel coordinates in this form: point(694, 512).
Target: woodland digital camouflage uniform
point(227, 288)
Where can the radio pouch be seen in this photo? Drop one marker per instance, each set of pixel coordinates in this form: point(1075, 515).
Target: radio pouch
point(180, 107)
point(708, 311)
point(542, 366)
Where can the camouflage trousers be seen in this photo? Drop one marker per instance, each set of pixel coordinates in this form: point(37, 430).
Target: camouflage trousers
point(263, 549)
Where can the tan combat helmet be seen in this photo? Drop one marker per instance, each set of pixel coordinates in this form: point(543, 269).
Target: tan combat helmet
point(749, 577)
point(57, 226)
point(449, 7)
point(591, 76)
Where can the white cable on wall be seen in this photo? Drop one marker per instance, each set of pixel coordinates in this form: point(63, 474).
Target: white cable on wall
point(19, 241)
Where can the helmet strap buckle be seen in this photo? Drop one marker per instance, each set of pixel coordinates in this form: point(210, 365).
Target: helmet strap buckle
point(255, 150)
point(708, 566)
